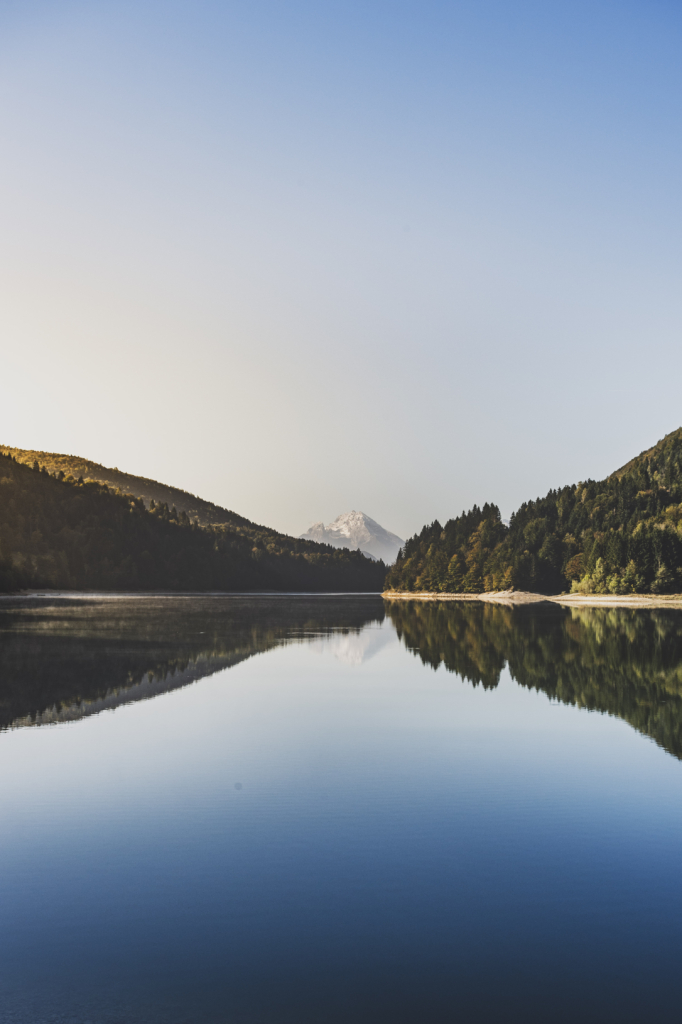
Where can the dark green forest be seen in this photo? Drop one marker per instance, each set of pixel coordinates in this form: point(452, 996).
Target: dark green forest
point(60, 533)
point(620, 535)
point(203, 513)
point(625, 662)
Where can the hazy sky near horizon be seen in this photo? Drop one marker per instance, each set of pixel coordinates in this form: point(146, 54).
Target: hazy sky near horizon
point(300, 257)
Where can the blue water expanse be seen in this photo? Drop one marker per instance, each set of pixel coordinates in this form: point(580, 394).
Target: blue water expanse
point(322, 826)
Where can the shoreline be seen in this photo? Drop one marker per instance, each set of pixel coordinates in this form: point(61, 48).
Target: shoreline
point(125, 595)
point(510, 598)
point(519, 597)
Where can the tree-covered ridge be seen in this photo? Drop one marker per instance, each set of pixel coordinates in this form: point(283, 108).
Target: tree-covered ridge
point(67, 534)
point(204, 513)
point(625, 662)
point(619, 535)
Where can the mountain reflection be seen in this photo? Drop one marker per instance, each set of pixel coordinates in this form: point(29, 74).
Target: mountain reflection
point(65, 659)
point(624, 662)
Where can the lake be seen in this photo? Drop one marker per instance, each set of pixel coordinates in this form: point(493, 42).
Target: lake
point(338, 810)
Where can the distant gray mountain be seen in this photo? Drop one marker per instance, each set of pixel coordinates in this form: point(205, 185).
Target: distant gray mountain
point(357, 530)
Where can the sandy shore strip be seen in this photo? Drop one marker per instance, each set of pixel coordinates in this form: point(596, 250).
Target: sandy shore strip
point(515, 597)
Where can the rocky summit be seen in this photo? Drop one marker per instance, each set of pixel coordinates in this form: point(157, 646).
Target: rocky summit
point(357, 530)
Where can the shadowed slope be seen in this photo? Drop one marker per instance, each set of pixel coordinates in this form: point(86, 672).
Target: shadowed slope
point(204, 513)
point(66, 534)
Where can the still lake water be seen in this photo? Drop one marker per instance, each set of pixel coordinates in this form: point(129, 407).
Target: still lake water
point(312, 810)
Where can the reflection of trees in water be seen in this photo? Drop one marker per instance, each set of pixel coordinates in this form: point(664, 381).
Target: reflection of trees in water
point(63, 659)
point(626, 662)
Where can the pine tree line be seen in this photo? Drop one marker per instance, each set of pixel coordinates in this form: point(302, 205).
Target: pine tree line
point(620, 535)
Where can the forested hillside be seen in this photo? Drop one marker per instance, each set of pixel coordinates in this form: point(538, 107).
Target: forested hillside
point(204, 513)
point(67, 534)
point(620, 535)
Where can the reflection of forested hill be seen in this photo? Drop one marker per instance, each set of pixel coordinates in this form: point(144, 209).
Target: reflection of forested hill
point(625, 662)
point(63, 659)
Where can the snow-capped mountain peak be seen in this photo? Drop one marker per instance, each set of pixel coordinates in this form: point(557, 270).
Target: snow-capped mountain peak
point(357, 530)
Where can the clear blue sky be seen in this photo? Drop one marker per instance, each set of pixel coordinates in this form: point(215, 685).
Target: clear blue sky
point(300, 258)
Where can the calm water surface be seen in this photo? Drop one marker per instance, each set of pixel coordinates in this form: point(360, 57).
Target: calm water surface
point(310, 810)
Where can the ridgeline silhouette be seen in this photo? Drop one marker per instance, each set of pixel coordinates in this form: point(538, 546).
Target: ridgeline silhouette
point(61, 533)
